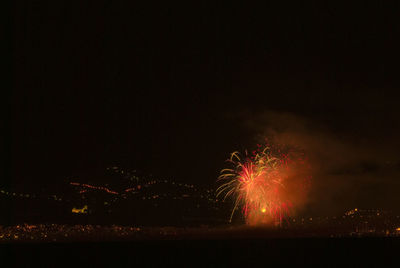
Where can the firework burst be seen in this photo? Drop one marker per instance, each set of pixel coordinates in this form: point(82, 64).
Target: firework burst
point(264, 185)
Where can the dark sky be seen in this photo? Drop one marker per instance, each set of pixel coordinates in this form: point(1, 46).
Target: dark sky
point(171, 89)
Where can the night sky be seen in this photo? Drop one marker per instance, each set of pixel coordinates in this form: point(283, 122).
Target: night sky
point(172, 90)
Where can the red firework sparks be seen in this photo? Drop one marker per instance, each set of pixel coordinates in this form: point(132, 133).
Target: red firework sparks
point(268, 185)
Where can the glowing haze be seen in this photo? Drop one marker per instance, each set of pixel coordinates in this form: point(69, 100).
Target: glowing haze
point(268, 185)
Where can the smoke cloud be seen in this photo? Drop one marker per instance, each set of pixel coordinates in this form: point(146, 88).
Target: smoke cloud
point(347, 170)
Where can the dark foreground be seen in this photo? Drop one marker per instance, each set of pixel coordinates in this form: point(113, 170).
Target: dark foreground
point(263, 252)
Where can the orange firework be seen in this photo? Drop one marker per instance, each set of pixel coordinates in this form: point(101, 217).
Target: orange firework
point(262, 185)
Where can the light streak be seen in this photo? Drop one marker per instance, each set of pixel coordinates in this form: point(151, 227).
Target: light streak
point(94, 187)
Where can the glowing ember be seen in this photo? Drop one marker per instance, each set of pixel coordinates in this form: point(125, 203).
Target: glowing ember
point(269, 185)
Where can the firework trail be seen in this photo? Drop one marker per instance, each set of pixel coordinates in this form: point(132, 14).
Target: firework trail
point(268, 185)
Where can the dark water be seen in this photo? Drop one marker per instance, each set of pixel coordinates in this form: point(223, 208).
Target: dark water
point(299, 252)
